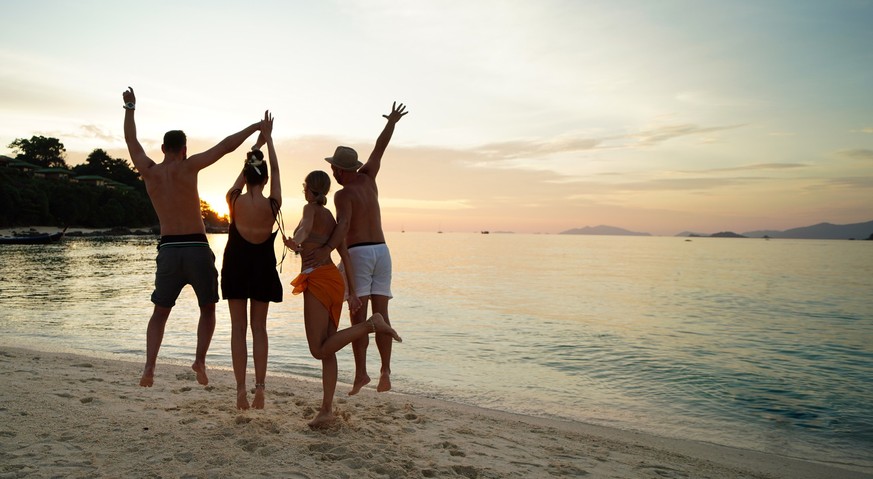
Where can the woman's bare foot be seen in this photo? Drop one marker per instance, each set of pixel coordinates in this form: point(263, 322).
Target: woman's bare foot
point(148, 377)
point(258, 403)
point(242, 399)
point(384, 382)
point(200, 370)
point(383, 327)
point(323, 420)
point(359, 383)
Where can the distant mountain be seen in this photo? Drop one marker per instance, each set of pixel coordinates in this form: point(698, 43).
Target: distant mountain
point(820, 231)
point(602, 230)
point(727, 234)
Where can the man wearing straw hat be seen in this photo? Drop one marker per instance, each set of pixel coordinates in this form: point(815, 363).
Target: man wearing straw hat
point(359, 224)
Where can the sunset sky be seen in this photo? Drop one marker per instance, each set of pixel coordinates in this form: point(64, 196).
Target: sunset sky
point(526, 116)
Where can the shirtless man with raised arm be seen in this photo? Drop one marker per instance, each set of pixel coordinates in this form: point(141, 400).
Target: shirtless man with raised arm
point(359, 225)
point(184, 256)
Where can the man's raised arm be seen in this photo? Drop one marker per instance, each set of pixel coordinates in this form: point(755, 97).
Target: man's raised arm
point(225, 146)
point(137, 154)
point(371, 167)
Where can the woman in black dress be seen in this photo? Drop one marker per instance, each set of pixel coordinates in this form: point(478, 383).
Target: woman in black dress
point(248, 271)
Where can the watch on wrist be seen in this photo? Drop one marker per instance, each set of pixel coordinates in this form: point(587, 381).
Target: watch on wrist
point(130, 106)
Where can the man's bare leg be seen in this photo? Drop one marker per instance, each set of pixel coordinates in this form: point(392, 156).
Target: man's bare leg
point(384, 342)
point(154, 336)
point(359, 348)
point(205, 328)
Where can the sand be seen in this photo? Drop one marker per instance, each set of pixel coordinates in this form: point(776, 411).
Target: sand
point(64, 415)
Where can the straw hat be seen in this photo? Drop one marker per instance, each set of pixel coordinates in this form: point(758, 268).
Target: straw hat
point(345, 158)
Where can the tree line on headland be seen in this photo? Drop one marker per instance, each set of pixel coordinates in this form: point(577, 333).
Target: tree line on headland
point(38, 187)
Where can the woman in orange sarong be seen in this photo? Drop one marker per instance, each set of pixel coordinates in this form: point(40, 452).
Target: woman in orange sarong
point(323, 289)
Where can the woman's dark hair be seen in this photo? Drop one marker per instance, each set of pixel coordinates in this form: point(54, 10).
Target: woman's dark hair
point(255, 168)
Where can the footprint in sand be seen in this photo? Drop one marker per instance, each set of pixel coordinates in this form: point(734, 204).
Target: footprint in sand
point(466, 471)
point(452, 448)
point(664, 471)
point(566, 470)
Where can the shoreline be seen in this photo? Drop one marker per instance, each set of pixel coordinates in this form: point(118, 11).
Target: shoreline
point(80, 232)
point(81, 416)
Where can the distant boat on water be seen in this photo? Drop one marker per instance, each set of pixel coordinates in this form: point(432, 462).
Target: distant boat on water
point(485, 232)
point(44, 238)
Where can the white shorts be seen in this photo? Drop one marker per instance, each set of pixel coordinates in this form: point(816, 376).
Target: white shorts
point(372, 267)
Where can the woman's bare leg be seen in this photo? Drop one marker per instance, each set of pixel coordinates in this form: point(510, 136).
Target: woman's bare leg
point(260, 347)
point(324, 341)
point(238, 349)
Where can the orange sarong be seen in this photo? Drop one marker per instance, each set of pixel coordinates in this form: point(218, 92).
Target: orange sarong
point(327, 285)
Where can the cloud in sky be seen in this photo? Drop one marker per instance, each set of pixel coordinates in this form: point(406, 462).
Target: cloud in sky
point(862, 154)
point(524, 116)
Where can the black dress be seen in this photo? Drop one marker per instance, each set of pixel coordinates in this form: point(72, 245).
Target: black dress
point(249, 270)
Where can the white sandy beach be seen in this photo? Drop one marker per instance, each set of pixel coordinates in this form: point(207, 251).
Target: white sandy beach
point(74, 416)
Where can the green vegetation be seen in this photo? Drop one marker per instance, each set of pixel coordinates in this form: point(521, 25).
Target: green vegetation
point(114, 195)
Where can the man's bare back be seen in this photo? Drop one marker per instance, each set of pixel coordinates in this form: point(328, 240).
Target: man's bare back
point(172, 187)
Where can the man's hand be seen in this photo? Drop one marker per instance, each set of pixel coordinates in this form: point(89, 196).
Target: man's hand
point(354, 303)
point(397, 112)
point(128, 95)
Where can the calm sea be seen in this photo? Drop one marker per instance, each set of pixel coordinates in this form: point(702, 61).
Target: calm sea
point(765, 345)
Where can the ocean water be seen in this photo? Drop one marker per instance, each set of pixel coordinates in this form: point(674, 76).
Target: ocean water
point(752, 343)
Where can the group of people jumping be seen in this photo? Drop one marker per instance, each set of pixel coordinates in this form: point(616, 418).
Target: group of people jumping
point(249, 280)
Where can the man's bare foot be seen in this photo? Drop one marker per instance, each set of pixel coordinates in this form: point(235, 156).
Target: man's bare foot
point(356, 388)
point(200, 369)
point(323, 420)
point(258, 403)
point(383, 327)
point(242, 400)
point(384, 382)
